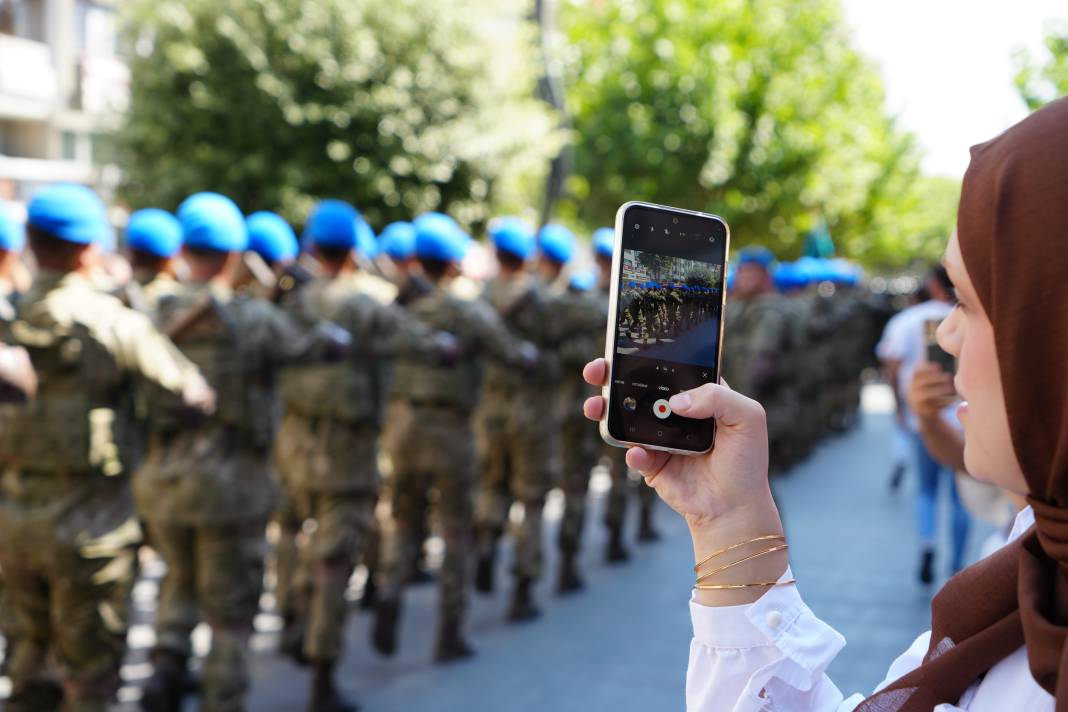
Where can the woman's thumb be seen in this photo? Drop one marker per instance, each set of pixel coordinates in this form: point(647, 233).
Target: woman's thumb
point(729, 408)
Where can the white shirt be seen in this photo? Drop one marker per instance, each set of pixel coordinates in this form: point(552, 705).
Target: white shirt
point(770, 656)
point(904, 340)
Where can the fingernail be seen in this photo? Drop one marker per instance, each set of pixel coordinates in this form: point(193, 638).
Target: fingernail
point(680, 401)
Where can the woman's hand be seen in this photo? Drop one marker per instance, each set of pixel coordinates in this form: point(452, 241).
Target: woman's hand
point(931, 390)
point(724, 494)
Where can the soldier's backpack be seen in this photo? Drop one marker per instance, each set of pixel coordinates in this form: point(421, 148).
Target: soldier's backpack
point(351, 390)
point(209, 333)
point(71, 425)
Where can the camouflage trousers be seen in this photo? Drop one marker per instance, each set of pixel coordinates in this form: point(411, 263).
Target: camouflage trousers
point(581, 452)
point(343, 523)
point(329, 469)
point(519, 446)
point(67, 549)
point(438, 475)
point(214, 572)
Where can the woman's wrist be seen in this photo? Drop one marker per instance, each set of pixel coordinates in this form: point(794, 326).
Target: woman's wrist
point(737, 527)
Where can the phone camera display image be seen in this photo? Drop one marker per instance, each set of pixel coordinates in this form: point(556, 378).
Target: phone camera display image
point(935, 353)
point(666, 325)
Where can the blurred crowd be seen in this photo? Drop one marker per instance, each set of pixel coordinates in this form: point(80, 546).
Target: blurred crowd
point(218, 379)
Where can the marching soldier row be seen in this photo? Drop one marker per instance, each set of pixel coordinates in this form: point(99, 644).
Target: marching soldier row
point(189, 405)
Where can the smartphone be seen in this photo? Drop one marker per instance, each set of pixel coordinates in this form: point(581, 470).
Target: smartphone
point(935, 353)
point(665, 325)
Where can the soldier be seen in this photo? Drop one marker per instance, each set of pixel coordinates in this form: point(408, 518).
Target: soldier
point(328, 444)
point(397, 242)
point(517, 424)
point(207, 489)
point(616, 504)
point(432, 405)
point(271, 237)
point(66, 515)
point(757, 353)
point(153, 240)
point(581, 441)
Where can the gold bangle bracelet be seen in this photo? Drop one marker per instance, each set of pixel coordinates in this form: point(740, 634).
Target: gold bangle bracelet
point(714, 554)
point(719, 586)
point(721, 569)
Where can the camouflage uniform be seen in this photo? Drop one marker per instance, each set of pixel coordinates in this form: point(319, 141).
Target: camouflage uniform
point(517, 426)
point(429, 439)
point(585, 316)
point(327, 447)
point(754, 357)
point(67, 521)
point(207, 489)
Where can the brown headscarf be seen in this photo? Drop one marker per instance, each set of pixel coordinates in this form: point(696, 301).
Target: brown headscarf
point(1013, 214)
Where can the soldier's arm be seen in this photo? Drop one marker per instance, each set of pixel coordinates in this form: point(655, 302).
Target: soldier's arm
point(18, 379)
point(140, 348)
point(282, 339)
point(495, 340)
point(392, 331)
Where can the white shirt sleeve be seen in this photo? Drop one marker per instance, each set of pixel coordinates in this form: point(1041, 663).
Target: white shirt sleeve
point(770, 656)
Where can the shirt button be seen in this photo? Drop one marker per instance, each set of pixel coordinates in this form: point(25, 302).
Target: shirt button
point(773, 619)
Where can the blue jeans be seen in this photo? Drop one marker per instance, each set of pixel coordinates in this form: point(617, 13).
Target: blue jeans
point(930, 473)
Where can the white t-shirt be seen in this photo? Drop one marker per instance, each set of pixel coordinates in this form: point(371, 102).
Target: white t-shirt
point(904, 341)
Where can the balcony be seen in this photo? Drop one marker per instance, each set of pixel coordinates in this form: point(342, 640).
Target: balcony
point(28, 84)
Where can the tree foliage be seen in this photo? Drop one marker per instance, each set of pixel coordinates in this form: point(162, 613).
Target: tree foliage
point(399, 106)
point(758, 110)
point(1041, 80)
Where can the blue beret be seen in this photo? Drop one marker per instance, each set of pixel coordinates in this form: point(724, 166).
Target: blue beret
point(604, 241)
point(439, 239)
point(154, 231)
point(756, 255)
point(398, 240)
point(583, 281)
point(513, 236)
point(212, 222)
point(69, 212)
point(271, 237)
point(12, 237)
point(365, 239)
point(556, 242)
point(333, 223)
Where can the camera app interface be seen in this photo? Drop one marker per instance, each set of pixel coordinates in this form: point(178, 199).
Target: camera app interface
point(666, 335)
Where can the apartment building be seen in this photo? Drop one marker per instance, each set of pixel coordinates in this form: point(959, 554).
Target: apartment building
point(62, 87)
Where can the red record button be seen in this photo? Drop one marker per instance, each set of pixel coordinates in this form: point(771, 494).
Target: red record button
point(661, 409)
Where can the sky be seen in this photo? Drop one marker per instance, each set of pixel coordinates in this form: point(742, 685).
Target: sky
point(948, 66)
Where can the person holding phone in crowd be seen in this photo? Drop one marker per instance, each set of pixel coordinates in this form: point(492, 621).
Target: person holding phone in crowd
point(903, 348)
point(998, 635)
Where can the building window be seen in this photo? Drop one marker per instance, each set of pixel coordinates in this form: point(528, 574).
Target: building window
point(70, 146)
point(22, 18)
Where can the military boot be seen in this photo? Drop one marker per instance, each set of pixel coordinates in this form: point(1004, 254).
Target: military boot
point(646, 531)
point(569, 580)
point(325, 695)
point(484, 570)
point(291, 643)
point(451, 644)
point(616, 553)
point(168, 685)
point(523, 607)
point(384, 633)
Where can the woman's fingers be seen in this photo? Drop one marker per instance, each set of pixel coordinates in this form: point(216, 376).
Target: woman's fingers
point(595, 372)
point(593, 408)
point(715, 401)
point(647, 462)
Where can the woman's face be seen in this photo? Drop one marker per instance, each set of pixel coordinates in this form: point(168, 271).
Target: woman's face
point(968, 334)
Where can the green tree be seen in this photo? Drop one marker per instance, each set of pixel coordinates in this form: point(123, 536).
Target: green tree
point(400, 106)
point(758, 110)
point(1040, 81)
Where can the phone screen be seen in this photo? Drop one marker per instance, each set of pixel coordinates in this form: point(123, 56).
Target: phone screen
point(935, 353)
point(666, 333)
